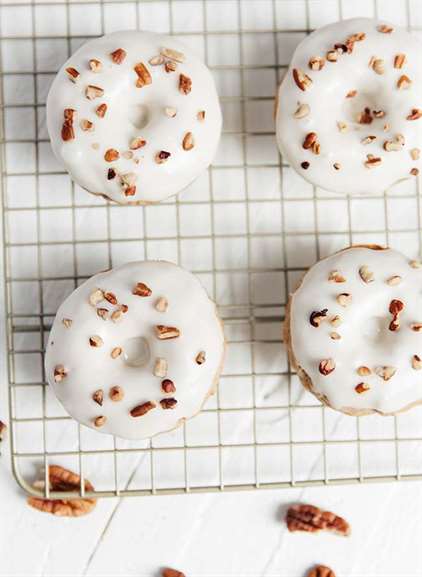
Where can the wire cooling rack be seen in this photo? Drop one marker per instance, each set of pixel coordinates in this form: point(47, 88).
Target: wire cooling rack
point(248, 228)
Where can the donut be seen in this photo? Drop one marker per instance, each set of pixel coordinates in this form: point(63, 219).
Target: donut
point(134, 117)
point(349, 111)
point(353, 331)
point(136, 350)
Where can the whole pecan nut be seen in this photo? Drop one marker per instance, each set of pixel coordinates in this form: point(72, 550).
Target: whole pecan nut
point(308, 518)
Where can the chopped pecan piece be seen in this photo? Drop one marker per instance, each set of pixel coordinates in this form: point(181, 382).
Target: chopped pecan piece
point(167, 572)
point(170, 66)
point(165, 333)
point(98, 397)
point(188, 142)
point(95, 65)
point(100, 421)
point(305, 165)
point(362, 388)
point(395, 308)
point(344, 299)
point(141, 410)
point(321, 571)
point(372, 161)
point(364, 371)
point(403, 82)
point(336, 276)
point(118, 55)
point(351, 93)
point(160, 367)
point(416, 362)
point(86, 125)
point(116, 352)
point(417, 327)
point(141, 290)
point(144, 77)
point(168, 386)
point(92, 92)
point(414, 171)
point(399, 60)
point(156, 60)
point(415, 153)
point(63, 480)
point(60, 373)
point(201, 115)
point(102, 313)
point(415, 114)
point(168, 403)
point(301, 79)
point(137, 143)
point(415, 264)
point(96, 297)
point(377, 65)
point(185, 84)
point(312, 519)
point(332, 56)
point(200, 358)
point(335, 321)
point(310, 139)
point(3, 429)
point(162, 156)
point(385, 372)
point(302, 111)
point(365, 117)
point(111, 155)
point(394, 280)
point(326, 367)
point(67, 323)
point(72, 73)
point(366, 274)
point(111, 173)
point(161, 305)
point(173, 54)
point(116, 394)
point(385, 28)
point(67, 129)
point(96, 341)
point(316, 63)
point(170, 111)
point(101, 110)
point(317, 317)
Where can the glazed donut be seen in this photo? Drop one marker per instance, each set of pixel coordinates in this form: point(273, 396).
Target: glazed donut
point(136, 350)
point(134, 117)
point(354, 331)
point(349, 109)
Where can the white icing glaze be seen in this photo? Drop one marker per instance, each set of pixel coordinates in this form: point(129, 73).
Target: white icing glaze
point(366, 339)
point(326, 98)
point(135, 112)
point(89, 368)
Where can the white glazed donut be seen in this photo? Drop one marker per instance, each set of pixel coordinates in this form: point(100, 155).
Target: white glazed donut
point(134, 116)
point(350, 107)
point(354, 331)
point(136, 350)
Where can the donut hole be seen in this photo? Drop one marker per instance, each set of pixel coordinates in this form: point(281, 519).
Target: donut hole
point(139, 116)
point(136, 352)
point(357, 105)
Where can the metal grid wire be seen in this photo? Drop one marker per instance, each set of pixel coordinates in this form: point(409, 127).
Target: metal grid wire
point(249, 228)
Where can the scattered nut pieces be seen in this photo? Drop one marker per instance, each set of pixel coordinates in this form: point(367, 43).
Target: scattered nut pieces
point(337, 166)
point(414, 171)
point(67, 323)
point(141, 410)
point(161, 305)
point(366, 274)
point(399, 60)
point(167, 572)
point(311, 519)
point(162, 156)
point(141, 290)
point(59, 373)
point(72, 73)
point(365, 117)
point(160, 367)
point(92, 92)
point(116, 316)
point(164, 333)
point(116, 352)
point(316, 63)
point(168, 386)
point(95, 65)
point(96, 297)
point(101, 110)
point(321, 571)
point(302, 80)
point(67, 128)
point(137, 143)
point(100, 421)
point(362, 388)
point(377, 65)
point(86, 125)
point(111, 155)
point(170, 66)
point(156, 60)
point(403, 82)
point(372, 161)
point(96, 341)
point(364, 371)
point(98, 397)
point(168, 403)
point(188, 141)
point(326, 366)
point(144, 77)
point(310, 139)
point(200, 358)
point(116, 394)
point(378, 113)
point(385, 372)
point(185, 84)
point(344, 299)
point(317, 317)
point(394, 145)
point(302, 111)
point(118, 55)
point(416, 362)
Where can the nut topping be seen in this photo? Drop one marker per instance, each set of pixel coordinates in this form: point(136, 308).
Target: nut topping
point(164, 333)
point(100, 421)
point(96, 341)
point(305, 165)
point(173, 54)
point(170, 66)
point(342, 126)
point(415, 153)
point(111, 155)
point(72, 73)
point(110, 297)
point(316, 63)
point(416, 363)
point(368, 139)
point(141, 410)
point(118, 55)
point(86, 125)
point(141, 290)
point(116, 352)
point(67, 129)
point(116, 316)
point(378, 113)
point(335, 321)
point(310, 139)
point(95, 65)
point(335, 336)
point(168, 386)
point(144, 77)
point(137, 143)
point(161, 305)
point(96, 297)
point(351, 93)
point(60, 373)
point(200, 358)
point(414, 171)
point(377, 65)
point(362, 388)
point(394, 280)
point(101, 110)
point(336, 277)
point(188, 141)
point(332, 56)
point(308, 518)
point(399, 60)
point(321, 571)
point(326, 366)
point(160, 367)
point(385, 372)
point(302, 80)
point(185, 84)
point(67, 323)
point(92, 92)
point(201, 115)
point(395, 308)
point(170, 111)
point(337, 166)
point(385, 29)
point(372, 161)
point(116, 394)
point(317, 317)
point(156, 60)
point(415, 114)
point(168, 403)
point(344, 299)
point(102, 313)
point(302, 110)
point(111, 173)
point(365, 117)
point(364, 371)
point(403, 82)
point(396, 144)
point(98, 397)
point(415, 264)
point(417, 327)
point(162, 156)
point(365, 274)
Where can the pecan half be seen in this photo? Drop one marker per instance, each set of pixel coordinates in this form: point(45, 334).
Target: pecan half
point(143, 409)
point(66, 481)
point(312, 519)
point(302, 80)
point(67, 129)
point(144, 77)
point(141, 290)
